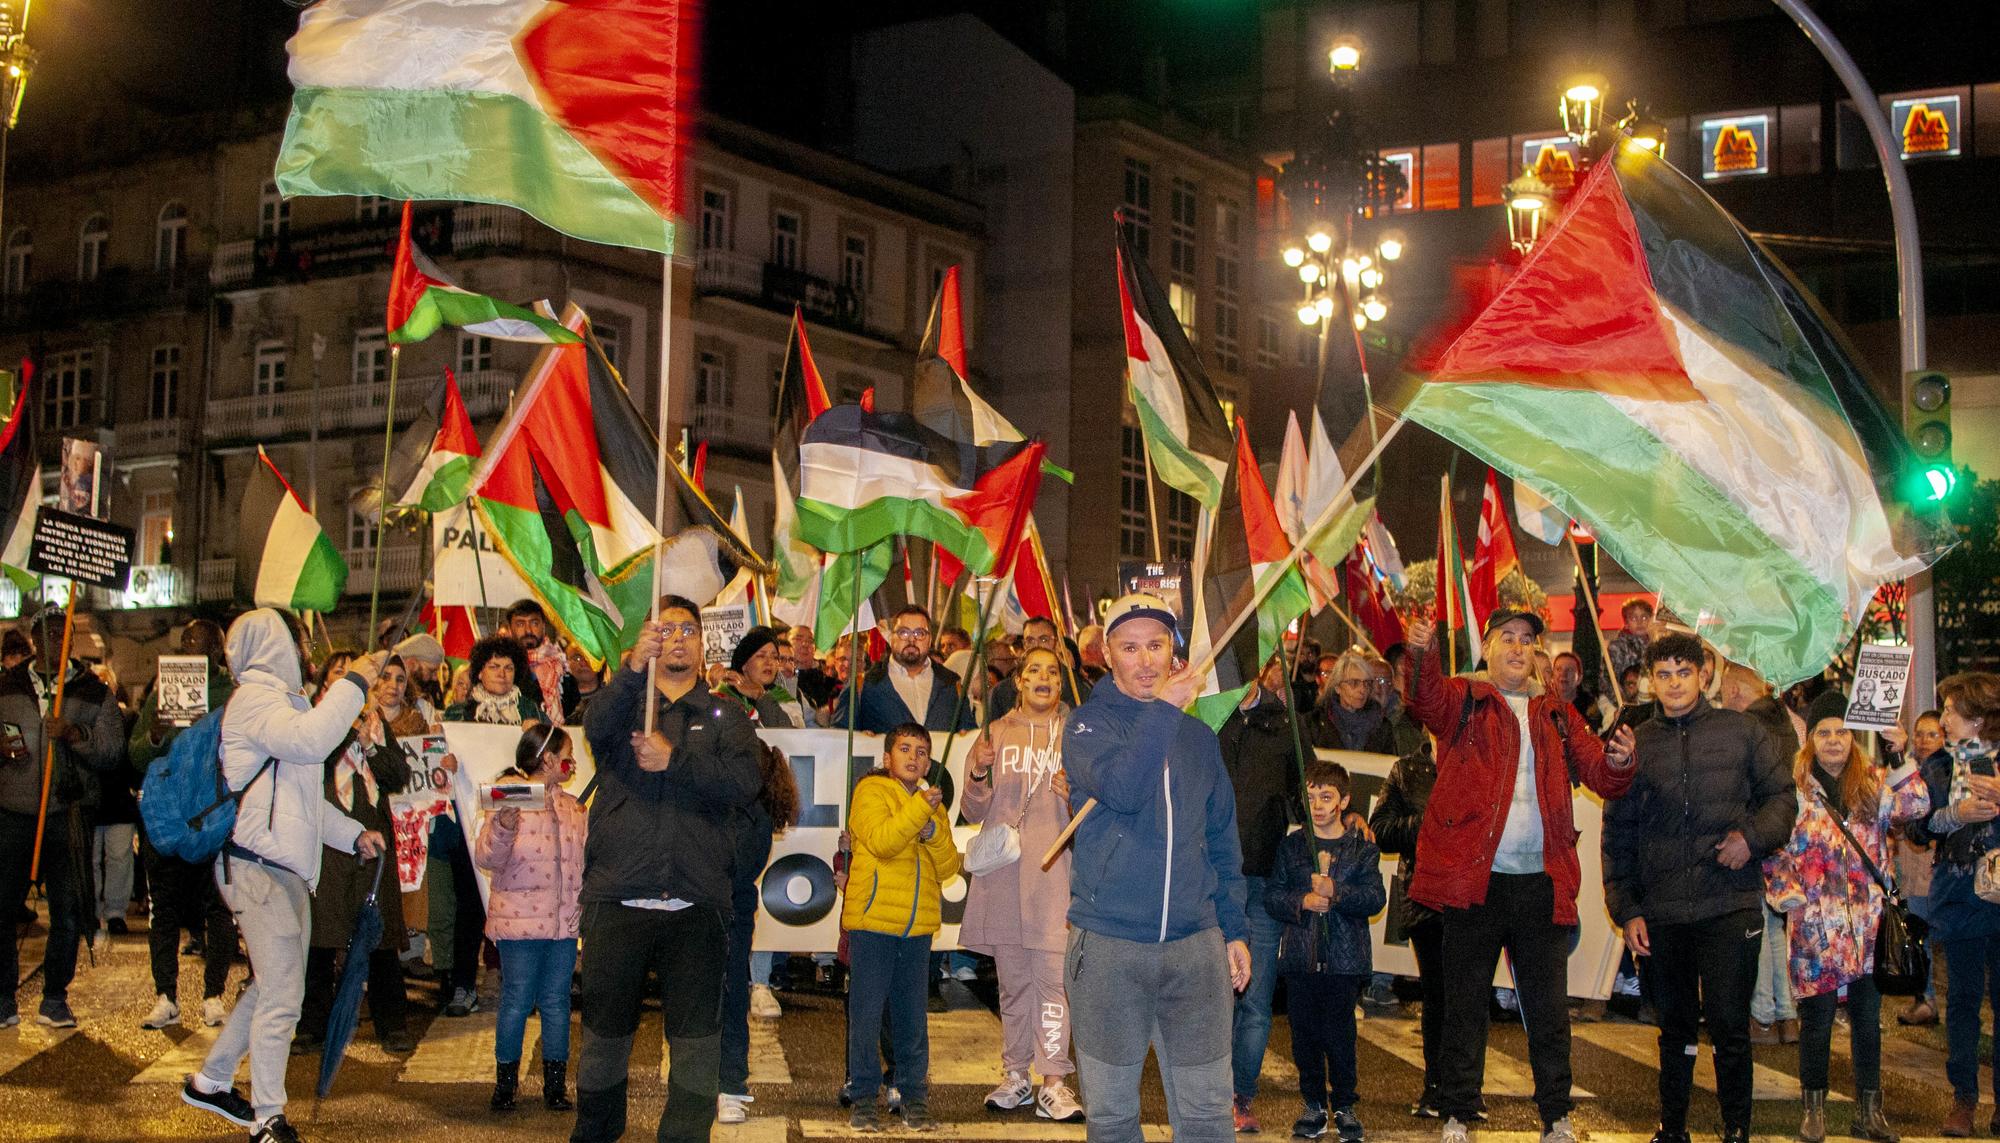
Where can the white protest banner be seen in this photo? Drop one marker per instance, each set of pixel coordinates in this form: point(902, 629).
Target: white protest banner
point(721, 629)
point(182, 689)
point(467, 569)
point(1881, 680)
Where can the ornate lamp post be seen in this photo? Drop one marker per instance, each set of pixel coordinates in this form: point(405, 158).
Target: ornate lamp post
point(17, 62)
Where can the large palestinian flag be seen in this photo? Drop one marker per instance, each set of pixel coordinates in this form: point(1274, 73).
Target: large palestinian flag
point(283, 558)
point(576, 111)
point(1657, 374)
point(1187, 434)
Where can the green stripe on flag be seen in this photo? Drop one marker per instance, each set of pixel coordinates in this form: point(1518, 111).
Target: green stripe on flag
point(1178, 465)
point(322, 578)
point(1662, 521)
point(831, 528)
point(837, 593)
point(448, 485)
point(478, 314)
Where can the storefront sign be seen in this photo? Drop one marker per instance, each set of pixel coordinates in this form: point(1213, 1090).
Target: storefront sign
point(1736, 146)
point(1552, 159)
point(1929, 126)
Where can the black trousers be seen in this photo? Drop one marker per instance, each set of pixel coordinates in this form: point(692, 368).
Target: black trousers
point(1322, 1017)
point(685, 950)
point(1427, 942)
point(65, 883)
point(1519, 919)
point(388, 1002)
point(1706, 970)
point(184, 896)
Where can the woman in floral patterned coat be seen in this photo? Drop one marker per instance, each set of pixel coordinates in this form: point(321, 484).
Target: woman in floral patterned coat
point(1832, 906)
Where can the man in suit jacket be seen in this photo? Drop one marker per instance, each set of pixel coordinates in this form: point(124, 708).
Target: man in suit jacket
point(907, 686)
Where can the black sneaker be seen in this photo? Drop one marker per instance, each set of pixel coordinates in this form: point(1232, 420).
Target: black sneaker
point(1665, 1136)
point(55, 1013)
point(1347, 1125)
point(1310, 1125)
point(228, 1104)
point(276, 1130)
point(1426, 1106)
point(117, 927)
point(917, 1116)
point(864, 1119)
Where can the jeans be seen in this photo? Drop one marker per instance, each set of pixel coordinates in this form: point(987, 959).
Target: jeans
point(683, 950)
point(1250, 1027)
point(274, 913)
point(1705, 971)
point(1427, 942)
point(760, 967)
point(1972, 974)
point(112, 860)
point(887, 974)
point(67, 895)
point(1172, 996)
point(1322, 1015)
point(1772, 1000)
point(1864, 1022)
point(183, 896)
point(535, 975)
point(753, 850)
point(1518, 917)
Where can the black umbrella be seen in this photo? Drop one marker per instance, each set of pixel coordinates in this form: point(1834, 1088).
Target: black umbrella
point(346, 1010)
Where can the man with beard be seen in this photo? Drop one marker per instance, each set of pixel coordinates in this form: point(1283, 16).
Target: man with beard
point(908, 687)
point(529, 625)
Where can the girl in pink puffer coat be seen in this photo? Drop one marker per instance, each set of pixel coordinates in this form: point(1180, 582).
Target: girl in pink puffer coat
point(535, 859)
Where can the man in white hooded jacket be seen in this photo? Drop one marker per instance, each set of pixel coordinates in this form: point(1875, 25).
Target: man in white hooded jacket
point(270, 864)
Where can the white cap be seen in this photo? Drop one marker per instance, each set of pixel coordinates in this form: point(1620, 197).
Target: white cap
point(1139, 605)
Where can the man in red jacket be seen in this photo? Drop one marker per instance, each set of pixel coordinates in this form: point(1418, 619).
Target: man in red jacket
point(1497, 854)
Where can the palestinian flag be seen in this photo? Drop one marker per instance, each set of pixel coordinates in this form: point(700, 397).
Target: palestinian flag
point(838, 590)
point(1493, 555)
point(431, 468)
point(576, 111)
point(456, 628)
point(565, 493)
point(283, 558)
point(1656, 374)
point(20, 481)
point(868, 476)
point(801, 396)
point(1457, 630)
point(421, 300)
point(1187, 434)
point(941, 396)
point(1249, 549)
point(1369, 605)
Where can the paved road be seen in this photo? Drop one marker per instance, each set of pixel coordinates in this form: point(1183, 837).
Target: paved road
point(109, 1079)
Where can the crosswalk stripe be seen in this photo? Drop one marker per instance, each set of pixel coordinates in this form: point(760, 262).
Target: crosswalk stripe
point(182, 1058)
point(454, 1050)
point(1922, 1065)
point(1640, 1043)
point(1001, 1130)
point(965, 1047)
point(753, 1130)
point(1506, 1077)
point(26, 1040)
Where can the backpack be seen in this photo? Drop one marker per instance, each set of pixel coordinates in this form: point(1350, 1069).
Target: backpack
point(187, 804)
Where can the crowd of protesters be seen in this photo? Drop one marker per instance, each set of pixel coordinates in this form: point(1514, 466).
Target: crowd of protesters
point(1745, 834)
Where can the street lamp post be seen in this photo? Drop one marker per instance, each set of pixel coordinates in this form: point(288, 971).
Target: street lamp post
point(17, 62)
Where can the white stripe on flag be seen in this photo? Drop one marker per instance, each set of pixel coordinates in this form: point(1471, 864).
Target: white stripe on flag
point(286, 548)
point(414, 45)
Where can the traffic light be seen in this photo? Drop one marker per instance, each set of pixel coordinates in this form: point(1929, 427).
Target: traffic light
point(1927, 419)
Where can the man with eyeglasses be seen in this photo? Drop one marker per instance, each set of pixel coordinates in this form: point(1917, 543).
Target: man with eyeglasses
point(1037, 634)
point(906, 687)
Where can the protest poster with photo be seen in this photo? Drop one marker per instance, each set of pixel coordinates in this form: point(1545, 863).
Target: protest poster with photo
point(722, 629)
point(1171, 580)
point(1881, 682)
point(182, 689)
point(76, 485)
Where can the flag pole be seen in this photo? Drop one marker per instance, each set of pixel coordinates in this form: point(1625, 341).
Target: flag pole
point(478, 562)
point(49, 744)
point(1450, 592)
point(382, 521)
point(1264, 587)
point(660, 470)
point(1347, 618)
point(1596, 618)
point(1152, 504)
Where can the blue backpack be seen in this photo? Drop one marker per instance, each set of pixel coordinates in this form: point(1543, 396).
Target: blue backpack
point(187, 804)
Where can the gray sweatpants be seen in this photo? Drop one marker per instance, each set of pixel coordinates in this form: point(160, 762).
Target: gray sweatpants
point(1173, 996)
point(274, 912)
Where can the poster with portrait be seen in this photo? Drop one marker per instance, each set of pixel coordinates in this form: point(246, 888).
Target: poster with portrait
point(1172, 581)
point(182, 689)
point(76, 487)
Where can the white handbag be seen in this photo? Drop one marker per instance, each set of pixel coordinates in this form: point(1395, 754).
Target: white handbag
point(998, 844)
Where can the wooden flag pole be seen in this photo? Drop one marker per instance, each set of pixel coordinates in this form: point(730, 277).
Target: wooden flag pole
point(1264, 586)
point(49, 744)
point(660, 472)
point(1152, 503)
point(382, 521)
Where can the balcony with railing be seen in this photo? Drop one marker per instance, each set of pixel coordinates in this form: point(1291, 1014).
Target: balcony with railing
point(775, 287)
point(348, 408)
point(725, 427)
point(402, 568)
point(144, 440)
point(363, 245)
point(119, 291)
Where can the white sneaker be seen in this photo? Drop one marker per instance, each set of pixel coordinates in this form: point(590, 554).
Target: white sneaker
point(764, 1003)
point(1014, 1091)
point(893, 1098)
point(1560, 1132)
point(1056, 1101)
point(965, 974)
point(100, 941)
point(165, 1014)
point(213, 1013)
point(1452, 1132)
point(730, 1108)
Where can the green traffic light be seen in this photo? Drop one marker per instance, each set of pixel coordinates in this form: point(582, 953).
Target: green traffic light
point(1939, 480)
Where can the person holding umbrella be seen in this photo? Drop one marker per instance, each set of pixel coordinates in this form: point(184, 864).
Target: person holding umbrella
point(274, 748)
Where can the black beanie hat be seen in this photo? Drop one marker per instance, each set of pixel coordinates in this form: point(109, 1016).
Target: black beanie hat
point(753, 641)
point(1829, 704)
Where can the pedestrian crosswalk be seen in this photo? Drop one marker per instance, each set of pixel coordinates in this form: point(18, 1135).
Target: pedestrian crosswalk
point(1506, 1077)
point(26, 1040)
point(1641, 1044)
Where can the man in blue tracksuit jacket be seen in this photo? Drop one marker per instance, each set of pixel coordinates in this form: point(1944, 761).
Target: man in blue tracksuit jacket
point(1158, 939)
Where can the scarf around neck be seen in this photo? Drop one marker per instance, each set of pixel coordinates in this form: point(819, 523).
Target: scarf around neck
point(504, 708)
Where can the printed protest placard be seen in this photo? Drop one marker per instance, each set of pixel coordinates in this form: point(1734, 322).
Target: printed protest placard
point(182, 689)
point(721, 629)
point(80, 548)
point(1172, 581)
point(1881, 680)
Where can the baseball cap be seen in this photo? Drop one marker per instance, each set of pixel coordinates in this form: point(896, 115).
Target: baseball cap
point(1139, 605)
point(1508, 615)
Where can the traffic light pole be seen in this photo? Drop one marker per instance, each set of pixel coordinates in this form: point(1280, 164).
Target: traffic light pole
point(1910, 289)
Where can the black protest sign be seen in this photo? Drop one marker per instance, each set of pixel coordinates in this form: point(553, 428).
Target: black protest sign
point(80, 548)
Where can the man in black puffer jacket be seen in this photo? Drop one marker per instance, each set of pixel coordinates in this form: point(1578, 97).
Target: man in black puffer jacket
point(1682, 849)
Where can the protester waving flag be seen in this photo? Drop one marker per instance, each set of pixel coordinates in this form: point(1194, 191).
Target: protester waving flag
point(20, 481)
point(1187, 433)
point(1657, 374)
point(283, 558)
point(576, 111)
point(1493, 555)
point(421, 301)
point(801, 396)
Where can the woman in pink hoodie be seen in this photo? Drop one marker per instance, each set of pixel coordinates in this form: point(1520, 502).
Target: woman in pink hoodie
point(535, 859)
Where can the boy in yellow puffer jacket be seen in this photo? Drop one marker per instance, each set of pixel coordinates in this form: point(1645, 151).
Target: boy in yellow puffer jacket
point(903, 852)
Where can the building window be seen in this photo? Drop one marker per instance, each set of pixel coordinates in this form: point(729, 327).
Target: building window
point(269, 376)
point(716, 233)
point(91, 245)
point(170, 238)
point(373, 208)
point(1227, 283)
point(611, 339)
point(786, 229)
point(371, 357)
point(1405, 161)
point(360, 529)
point(274, 214)
point(854, 263)
point(20, 260)
point(156, 527)
point(1490, 171)
point(69, 395)
point(1228, 223)
point(1267, 342)
point(938, 271)
point(1180, 296)
point(1177, 530)
point(1138, 207)
point(1440, 177)
point(1180, 231)
point(475, 353)
point(164, 396)
point(1131, 494)
point(711, 379)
